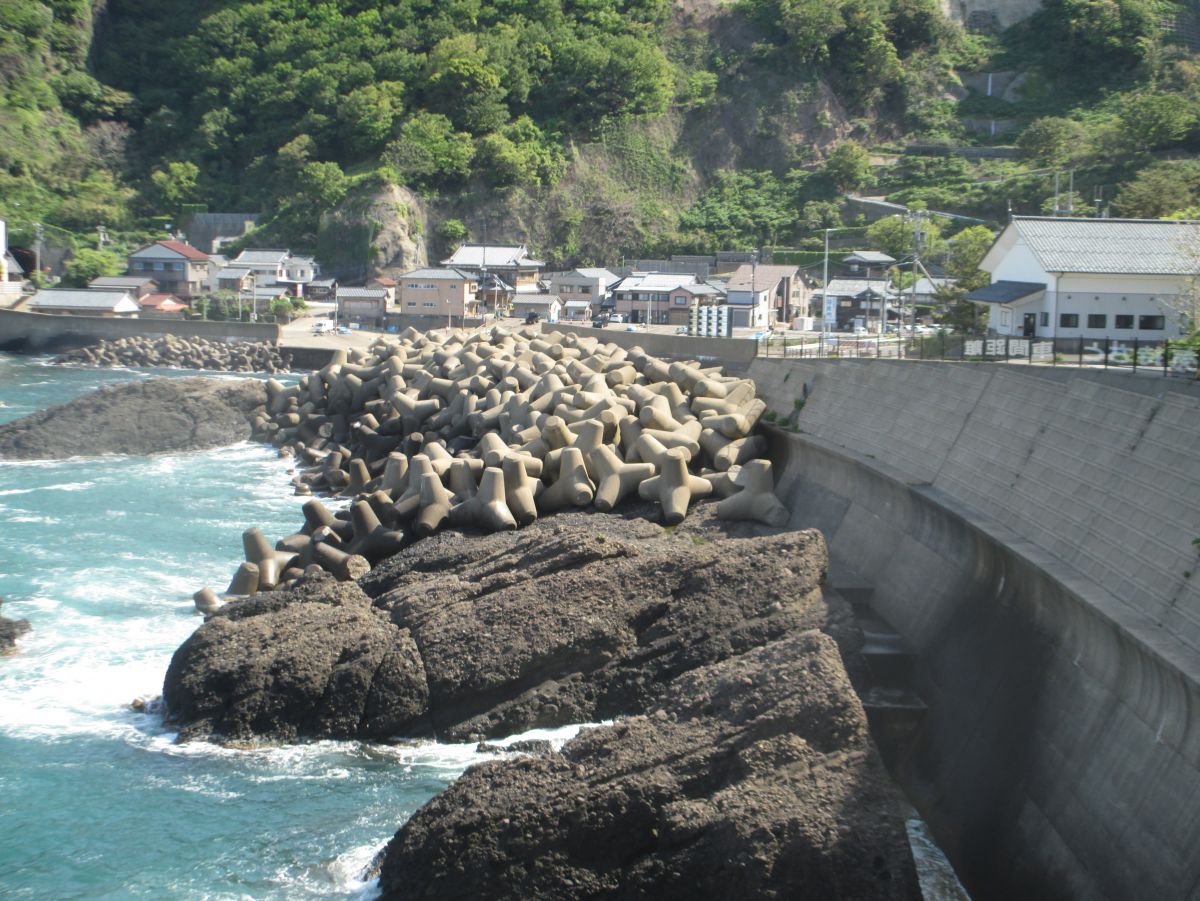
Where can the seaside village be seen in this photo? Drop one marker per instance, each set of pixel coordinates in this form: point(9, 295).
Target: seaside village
point(1093, 280)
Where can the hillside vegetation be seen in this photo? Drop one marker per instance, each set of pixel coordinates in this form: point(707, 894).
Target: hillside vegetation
point(593, 129)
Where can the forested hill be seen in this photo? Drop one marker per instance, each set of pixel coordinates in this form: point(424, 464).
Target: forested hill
point(593, 128)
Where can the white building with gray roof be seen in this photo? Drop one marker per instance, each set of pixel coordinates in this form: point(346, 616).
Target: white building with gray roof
point(1092, 278)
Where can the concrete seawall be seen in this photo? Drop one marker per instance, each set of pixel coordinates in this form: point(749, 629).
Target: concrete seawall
point(27, 332)
point(737, 351)
point(1028, 533)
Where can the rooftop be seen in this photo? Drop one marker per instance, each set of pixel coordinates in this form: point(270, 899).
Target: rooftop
point(361, 293)
point(1005, 292)
point(853, 287)
point(439, 274)
point(1115, 246)
point(656, 281)
point(869, 258)
point(179, 247)
point(84, 299)
point(120, 281)
point(264, 257)
point(759, 278)
point(475, 256)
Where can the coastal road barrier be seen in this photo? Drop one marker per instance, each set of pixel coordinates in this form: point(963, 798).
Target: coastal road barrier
point(25, 332)
point(1029, 534)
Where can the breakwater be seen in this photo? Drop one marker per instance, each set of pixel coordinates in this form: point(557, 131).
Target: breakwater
point(40, 332)
point(1030, 534)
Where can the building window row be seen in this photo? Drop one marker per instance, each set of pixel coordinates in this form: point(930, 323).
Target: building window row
point(1100, 321)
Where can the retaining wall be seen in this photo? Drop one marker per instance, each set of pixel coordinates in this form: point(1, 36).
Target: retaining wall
point(1028, 534)
point(22, 331)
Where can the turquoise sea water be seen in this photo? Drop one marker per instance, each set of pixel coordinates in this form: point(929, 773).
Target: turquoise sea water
point(96, 801)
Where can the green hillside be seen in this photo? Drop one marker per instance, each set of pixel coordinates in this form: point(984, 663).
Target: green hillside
point(594, 129)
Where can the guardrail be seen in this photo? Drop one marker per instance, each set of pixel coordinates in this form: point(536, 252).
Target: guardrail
point(1167, 358)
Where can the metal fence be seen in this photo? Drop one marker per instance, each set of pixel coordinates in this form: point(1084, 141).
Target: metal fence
point(1166, 358)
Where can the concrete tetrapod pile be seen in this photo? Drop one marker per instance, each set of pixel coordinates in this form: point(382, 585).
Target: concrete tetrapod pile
point(177, 351)
point(492, 429)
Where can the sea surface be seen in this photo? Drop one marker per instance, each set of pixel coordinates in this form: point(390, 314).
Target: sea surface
point(102, 556)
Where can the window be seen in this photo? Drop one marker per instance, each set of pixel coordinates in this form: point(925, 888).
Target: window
point(427, 303)
point(1152, 323)
point(1123, 321)
point(682, 300)
point(412, 303)
point(1097, 320)
point(1005, 318)
point(585, 289)
point(1043, 319)
point(1068, 320)
point(158, 267)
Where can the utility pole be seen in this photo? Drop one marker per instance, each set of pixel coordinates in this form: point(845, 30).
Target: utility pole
point(915, 264)
point(825, 293)
point(39, 233)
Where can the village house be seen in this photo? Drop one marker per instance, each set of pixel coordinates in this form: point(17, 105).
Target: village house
point(866, 264)
point(589, 286)
point(578, 310)
point(138, 284)
point(857, 299)
point(387, 284)
point(161, 306)
point(547, 307)
point(765, 295)
point(511, 262)
point(367, 306)
point(276, 267)
point(85, 302)
point(683, 298)
point(646, 296)
point(1092, 278)
point(177, 267)
point(321, 290)
point(438, 292)
point(12, 276)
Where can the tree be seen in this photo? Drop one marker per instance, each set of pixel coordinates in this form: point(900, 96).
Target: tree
point(1150, 120)
point(894, 236)
point(323, 184)
point(1160, 189)
point(848, 166)
point(967, 250)
point(452, 231)
point(88, 264)
point(430, 152)
point(175, 185)
point(1053, 140)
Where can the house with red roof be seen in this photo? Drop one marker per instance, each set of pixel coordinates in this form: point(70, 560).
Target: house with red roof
point(178, 268)
point(161, 306)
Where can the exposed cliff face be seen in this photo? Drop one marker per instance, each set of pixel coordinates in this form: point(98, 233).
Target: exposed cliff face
point(377, 231)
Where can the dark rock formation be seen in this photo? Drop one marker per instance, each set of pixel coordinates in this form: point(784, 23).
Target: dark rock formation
point(316, 661)
point(152, 416)
point(577, 618)
point(175, 351)
point(754, 778)
point(10, 631)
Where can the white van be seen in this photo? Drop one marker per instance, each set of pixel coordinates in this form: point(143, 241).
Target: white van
point(323, 327)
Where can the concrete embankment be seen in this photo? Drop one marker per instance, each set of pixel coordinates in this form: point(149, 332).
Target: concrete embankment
point(34, 332)
point(1030, 534)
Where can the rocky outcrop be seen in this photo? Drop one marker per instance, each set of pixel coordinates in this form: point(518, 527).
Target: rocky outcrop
point(576, 618)
point(375, 230)
point(754, 777)
point(10, 631)
point(152, 416)
point(181, 353)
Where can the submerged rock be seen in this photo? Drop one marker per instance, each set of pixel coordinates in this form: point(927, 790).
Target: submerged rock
point(754, 778)
point(10, 631)
point(146, 417)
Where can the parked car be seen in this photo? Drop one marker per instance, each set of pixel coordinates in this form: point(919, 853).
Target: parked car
point(617, 317)
point(682, 330)
point(600, 322)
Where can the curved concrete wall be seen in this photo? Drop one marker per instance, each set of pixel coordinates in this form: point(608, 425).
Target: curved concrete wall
point(36, 331)
point(1061, 753)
